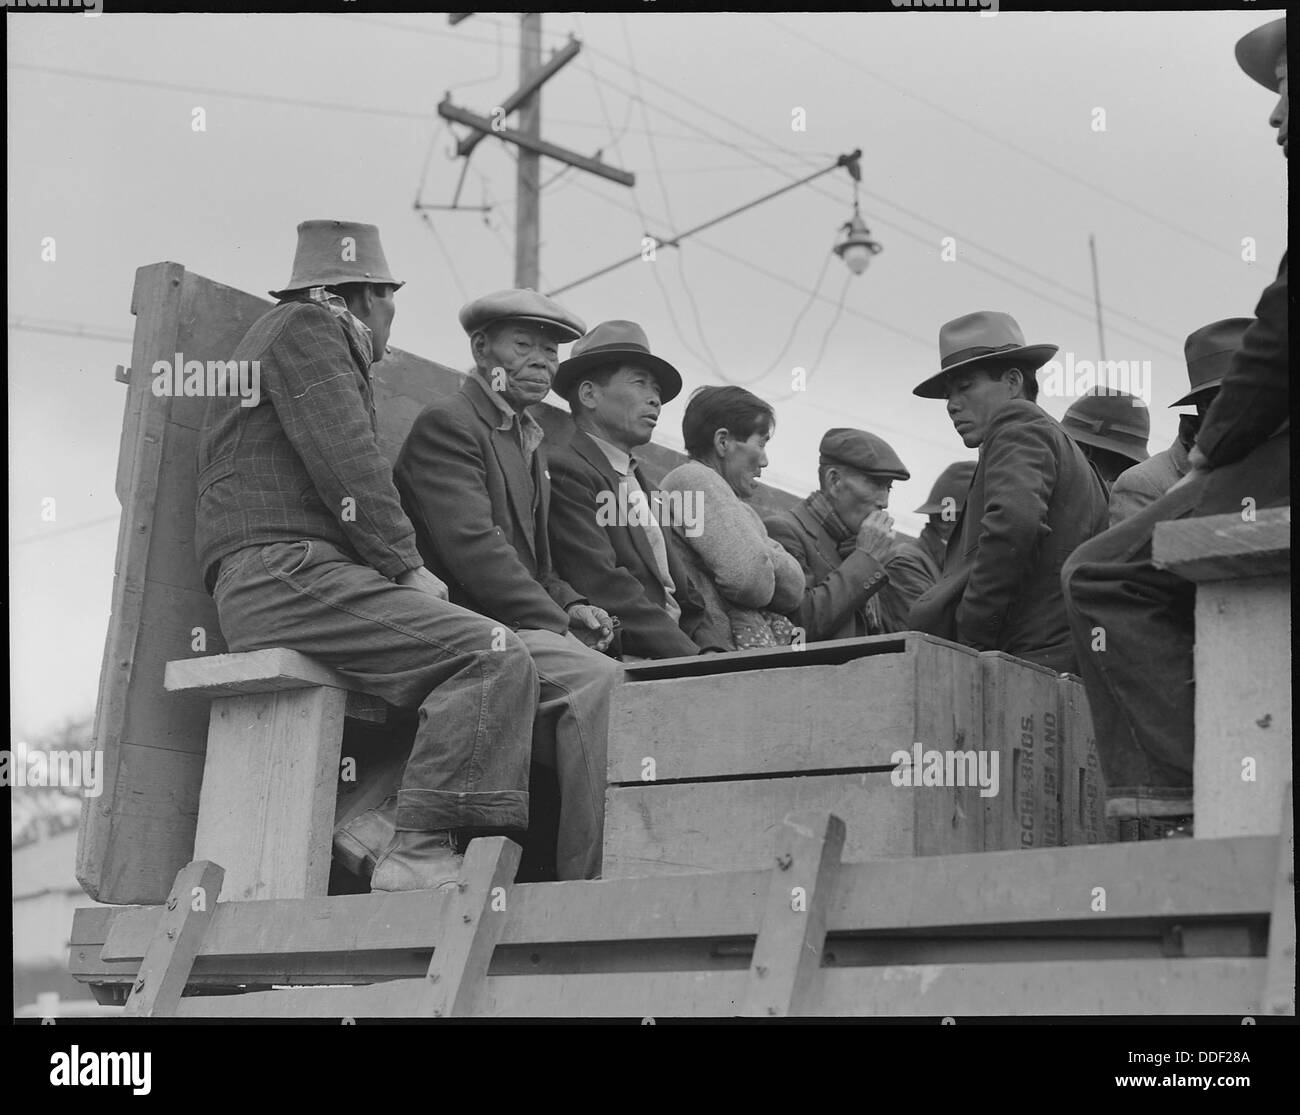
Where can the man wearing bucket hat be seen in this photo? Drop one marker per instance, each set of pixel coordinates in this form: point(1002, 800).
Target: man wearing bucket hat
point(842, 536)
point(1140, 687)
point(473, 477)
point(302, 540)
point(606, 525)
point(1032, 500)
point(1112, 428)
point(917, 564)
point(1208, 352)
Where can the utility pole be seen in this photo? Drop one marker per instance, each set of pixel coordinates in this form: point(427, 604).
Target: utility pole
point(528, 195)
point(527, 101)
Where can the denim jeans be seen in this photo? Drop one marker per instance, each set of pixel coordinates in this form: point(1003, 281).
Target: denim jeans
point(471, 679)
point(570, 734)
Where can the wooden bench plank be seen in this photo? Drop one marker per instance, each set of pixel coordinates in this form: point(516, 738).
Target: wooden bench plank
point(254, 671)
point(1224, 547)
point(1165, 879)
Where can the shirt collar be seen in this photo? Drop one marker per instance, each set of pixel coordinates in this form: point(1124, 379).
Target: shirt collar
point(620, 460)
point(528, 425)
point(339, 308)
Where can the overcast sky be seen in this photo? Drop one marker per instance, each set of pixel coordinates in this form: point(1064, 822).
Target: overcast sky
point(985, 130)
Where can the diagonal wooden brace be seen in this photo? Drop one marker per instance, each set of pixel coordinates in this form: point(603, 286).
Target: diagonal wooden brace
point(784, 972)
point(165, 969)
point(473, 921)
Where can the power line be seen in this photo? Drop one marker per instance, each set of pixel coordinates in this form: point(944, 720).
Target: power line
point(971, 125)
point(69, 329)
point(47, 535)
point(826, 337)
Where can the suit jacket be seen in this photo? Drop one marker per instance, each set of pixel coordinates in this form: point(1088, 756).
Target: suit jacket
point(1249, 454)
point(1147, 481)
point(613, 565)
point(466, 487)
point(837, 588)
point(280, 471)
point(1033, 499)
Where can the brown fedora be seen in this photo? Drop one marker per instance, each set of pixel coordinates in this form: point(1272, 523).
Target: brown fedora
point(979, 338)
point(332, 252)
point(614, 342)
point(1208, 352)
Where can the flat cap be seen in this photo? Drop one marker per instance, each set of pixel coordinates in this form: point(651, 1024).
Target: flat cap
point(862, 451)
point(521, 305)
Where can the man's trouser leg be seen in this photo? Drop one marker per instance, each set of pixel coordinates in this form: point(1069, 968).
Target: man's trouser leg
point(471, 679)
point(1133, 628)
point(573, 726)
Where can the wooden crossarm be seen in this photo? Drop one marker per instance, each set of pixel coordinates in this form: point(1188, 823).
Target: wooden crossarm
point(1224, 547)
point(265, 671)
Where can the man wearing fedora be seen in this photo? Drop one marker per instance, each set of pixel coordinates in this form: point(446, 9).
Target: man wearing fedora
point(1140, 679)
point(842, 536)
point(606, 529)
point(473, 477)
point(1112, 428)
point(917, 564)
point(1208, 351)
point(302, 541)
point(1032, 500)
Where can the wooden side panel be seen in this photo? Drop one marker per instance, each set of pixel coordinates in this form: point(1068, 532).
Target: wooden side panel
point(1023, 724)
point(731, 826)
point(1083, 786)
point(269, 789)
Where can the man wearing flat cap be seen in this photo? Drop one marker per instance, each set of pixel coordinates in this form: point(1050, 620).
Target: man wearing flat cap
point(1140, 687)
point(473, 477)
point(302, 541)
point(1032, 500)
point(1208, 351)
point(1112, 428)
point(917, 564)
point(842, 536)
point(607, 528)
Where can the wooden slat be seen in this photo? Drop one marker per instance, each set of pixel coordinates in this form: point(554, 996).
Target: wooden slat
point(1088, 988)
point(185, 918)
point(1224, 547)
point(1083, 785)
point(787, 956)
point(472, 925)
point(674, 829)
point(1279, 978)
point(801, 718)
point(269, 789)
point(1167, 879)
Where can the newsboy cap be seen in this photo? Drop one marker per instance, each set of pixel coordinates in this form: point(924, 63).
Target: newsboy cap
point(862, 451)
point(520, 305)
point(333, 252)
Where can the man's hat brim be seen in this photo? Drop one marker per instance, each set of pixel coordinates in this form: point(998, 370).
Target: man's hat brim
point(566, 332)
point(569, 373)
point(278, 294)
point(1258, 53)
point(1035, 356)
point(1191, 396)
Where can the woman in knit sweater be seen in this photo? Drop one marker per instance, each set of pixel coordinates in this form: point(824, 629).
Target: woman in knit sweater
point(743, 574)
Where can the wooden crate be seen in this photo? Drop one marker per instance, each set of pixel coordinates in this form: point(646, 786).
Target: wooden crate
point(708, 755)
point(1022, 721)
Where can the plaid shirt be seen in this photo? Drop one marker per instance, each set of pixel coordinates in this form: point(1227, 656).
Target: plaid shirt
point(305, 462)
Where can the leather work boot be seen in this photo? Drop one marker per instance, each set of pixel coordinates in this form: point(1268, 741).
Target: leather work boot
point(417, 861)
point(359, 843)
